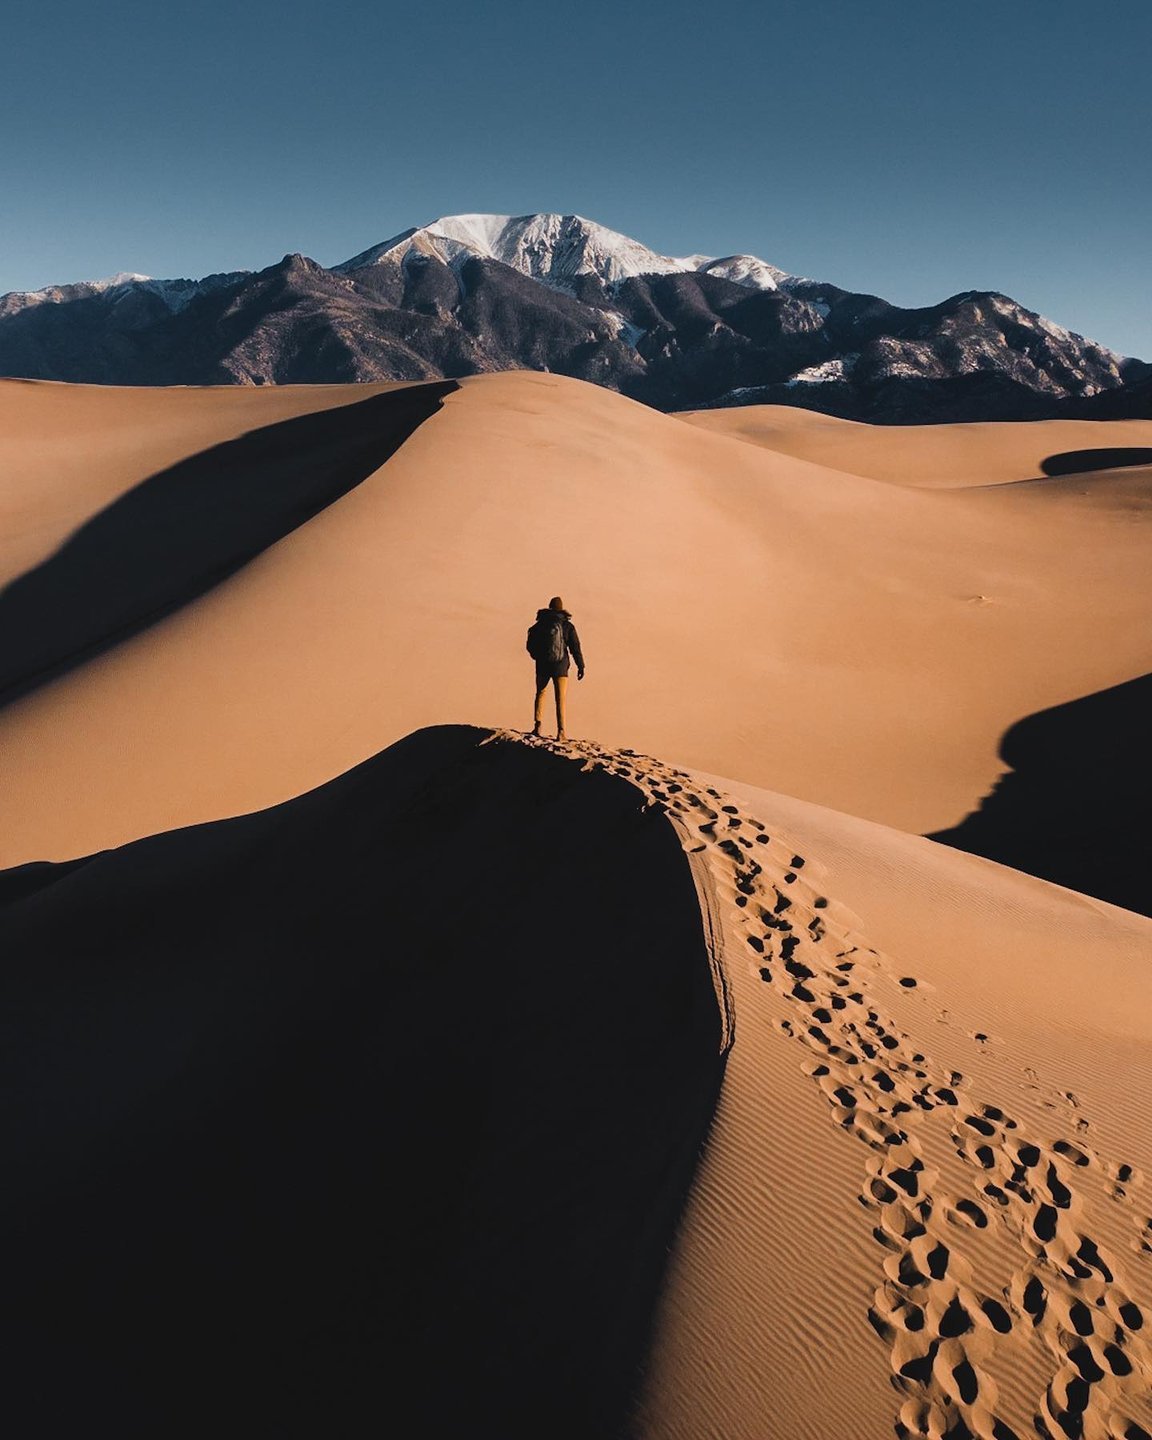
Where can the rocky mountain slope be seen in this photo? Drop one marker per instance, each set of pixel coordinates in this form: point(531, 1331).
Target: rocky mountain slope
point(475, 293)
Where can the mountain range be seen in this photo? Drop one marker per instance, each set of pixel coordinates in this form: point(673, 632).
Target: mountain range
point(470, 294)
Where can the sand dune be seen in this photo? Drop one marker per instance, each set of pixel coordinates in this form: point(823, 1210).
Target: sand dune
point(362, 1071)
point(936, 456)
point(744, 612)
point(328, 1127)
point(981, 1193)
point(69, 450)
point(203, 518)
point(376, 1107)
point(1076, 803)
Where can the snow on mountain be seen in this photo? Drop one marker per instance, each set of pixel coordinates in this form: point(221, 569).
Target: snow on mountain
point(743, 270)
point(555, 249)
point(839, 369)
point(573, 297)
point(76, 290)
point(175, 294)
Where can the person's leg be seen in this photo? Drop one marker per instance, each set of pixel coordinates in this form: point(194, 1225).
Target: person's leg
point(561, 684)
point(538, 712)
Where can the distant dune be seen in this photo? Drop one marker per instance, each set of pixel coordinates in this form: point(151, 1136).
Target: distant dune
point(374, 1059)
point(928, 457)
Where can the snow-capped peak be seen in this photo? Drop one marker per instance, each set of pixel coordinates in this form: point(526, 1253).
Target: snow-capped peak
point(744, 270)
point(555, 249)
point(110, 282)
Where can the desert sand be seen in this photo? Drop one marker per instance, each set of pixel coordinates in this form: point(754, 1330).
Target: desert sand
point(935, 456)
point(993, 1220)
point(820, 633)
point(310, 1143)
point(840, 1132)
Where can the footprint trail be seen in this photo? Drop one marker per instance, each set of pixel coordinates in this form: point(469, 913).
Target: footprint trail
point(941, 1320)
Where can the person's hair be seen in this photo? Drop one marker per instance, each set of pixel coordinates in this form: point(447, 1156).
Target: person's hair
point(556, 603)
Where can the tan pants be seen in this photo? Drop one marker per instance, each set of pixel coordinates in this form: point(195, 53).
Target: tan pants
point(560, 685)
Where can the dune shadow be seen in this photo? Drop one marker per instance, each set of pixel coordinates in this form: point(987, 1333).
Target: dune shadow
point(1076, 807)
point(1081, 462)
point(374, 1112)
point(183, 530)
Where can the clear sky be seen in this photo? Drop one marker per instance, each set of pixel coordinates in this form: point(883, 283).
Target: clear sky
point(910, 148)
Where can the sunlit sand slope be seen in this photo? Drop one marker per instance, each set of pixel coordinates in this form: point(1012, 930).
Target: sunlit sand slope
point(936, 456)
point(925, 1203)
point(71, 449)
point(832, 636)
point(172, 537)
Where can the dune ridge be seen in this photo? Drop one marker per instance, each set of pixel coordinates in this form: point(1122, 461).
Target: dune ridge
point(959, 455)
point(886, 1198)
point(70, 450)
point(165, 540)
point(1012, 1292)
point(342, 1116)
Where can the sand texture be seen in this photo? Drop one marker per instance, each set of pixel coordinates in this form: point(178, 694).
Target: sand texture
point(981, 1193)
point(369, 1058)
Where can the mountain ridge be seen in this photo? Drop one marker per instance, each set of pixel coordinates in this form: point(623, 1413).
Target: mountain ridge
point(476, 293)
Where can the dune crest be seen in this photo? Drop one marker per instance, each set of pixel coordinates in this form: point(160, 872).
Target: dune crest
point(1011, 1291)
point(346, 1117)
point(936, 457)
point(920, 1202)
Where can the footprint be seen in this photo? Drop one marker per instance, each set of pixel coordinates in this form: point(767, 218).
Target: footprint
point(967, 1212)
point(1075, 1153)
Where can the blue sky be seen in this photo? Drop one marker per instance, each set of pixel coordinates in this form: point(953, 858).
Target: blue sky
point(911, 148)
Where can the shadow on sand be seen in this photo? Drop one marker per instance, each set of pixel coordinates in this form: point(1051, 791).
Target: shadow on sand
point(183, 530)
point(1081, 462)
point(369, 1114)
point(1077, 805)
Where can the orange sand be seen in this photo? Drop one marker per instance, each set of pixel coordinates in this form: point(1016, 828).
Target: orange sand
point(846, 619)
point(934, 1004)
point(928, 456)
point(743, 611)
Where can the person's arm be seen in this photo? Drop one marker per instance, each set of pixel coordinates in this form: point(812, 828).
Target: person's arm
point(577, 653)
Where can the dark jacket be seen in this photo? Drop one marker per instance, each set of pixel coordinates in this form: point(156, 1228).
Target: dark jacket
point(549, 668)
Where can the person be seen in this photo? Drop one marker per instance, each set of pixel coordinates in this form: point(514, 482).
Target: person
point(553, 643)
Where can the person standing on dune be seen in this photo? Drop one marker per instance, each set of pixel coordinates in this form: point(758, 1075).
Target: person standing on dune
point(552, 638)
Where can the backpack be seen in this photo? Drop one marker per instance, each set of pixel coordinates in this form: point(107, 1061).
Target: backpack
point(547, 642)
